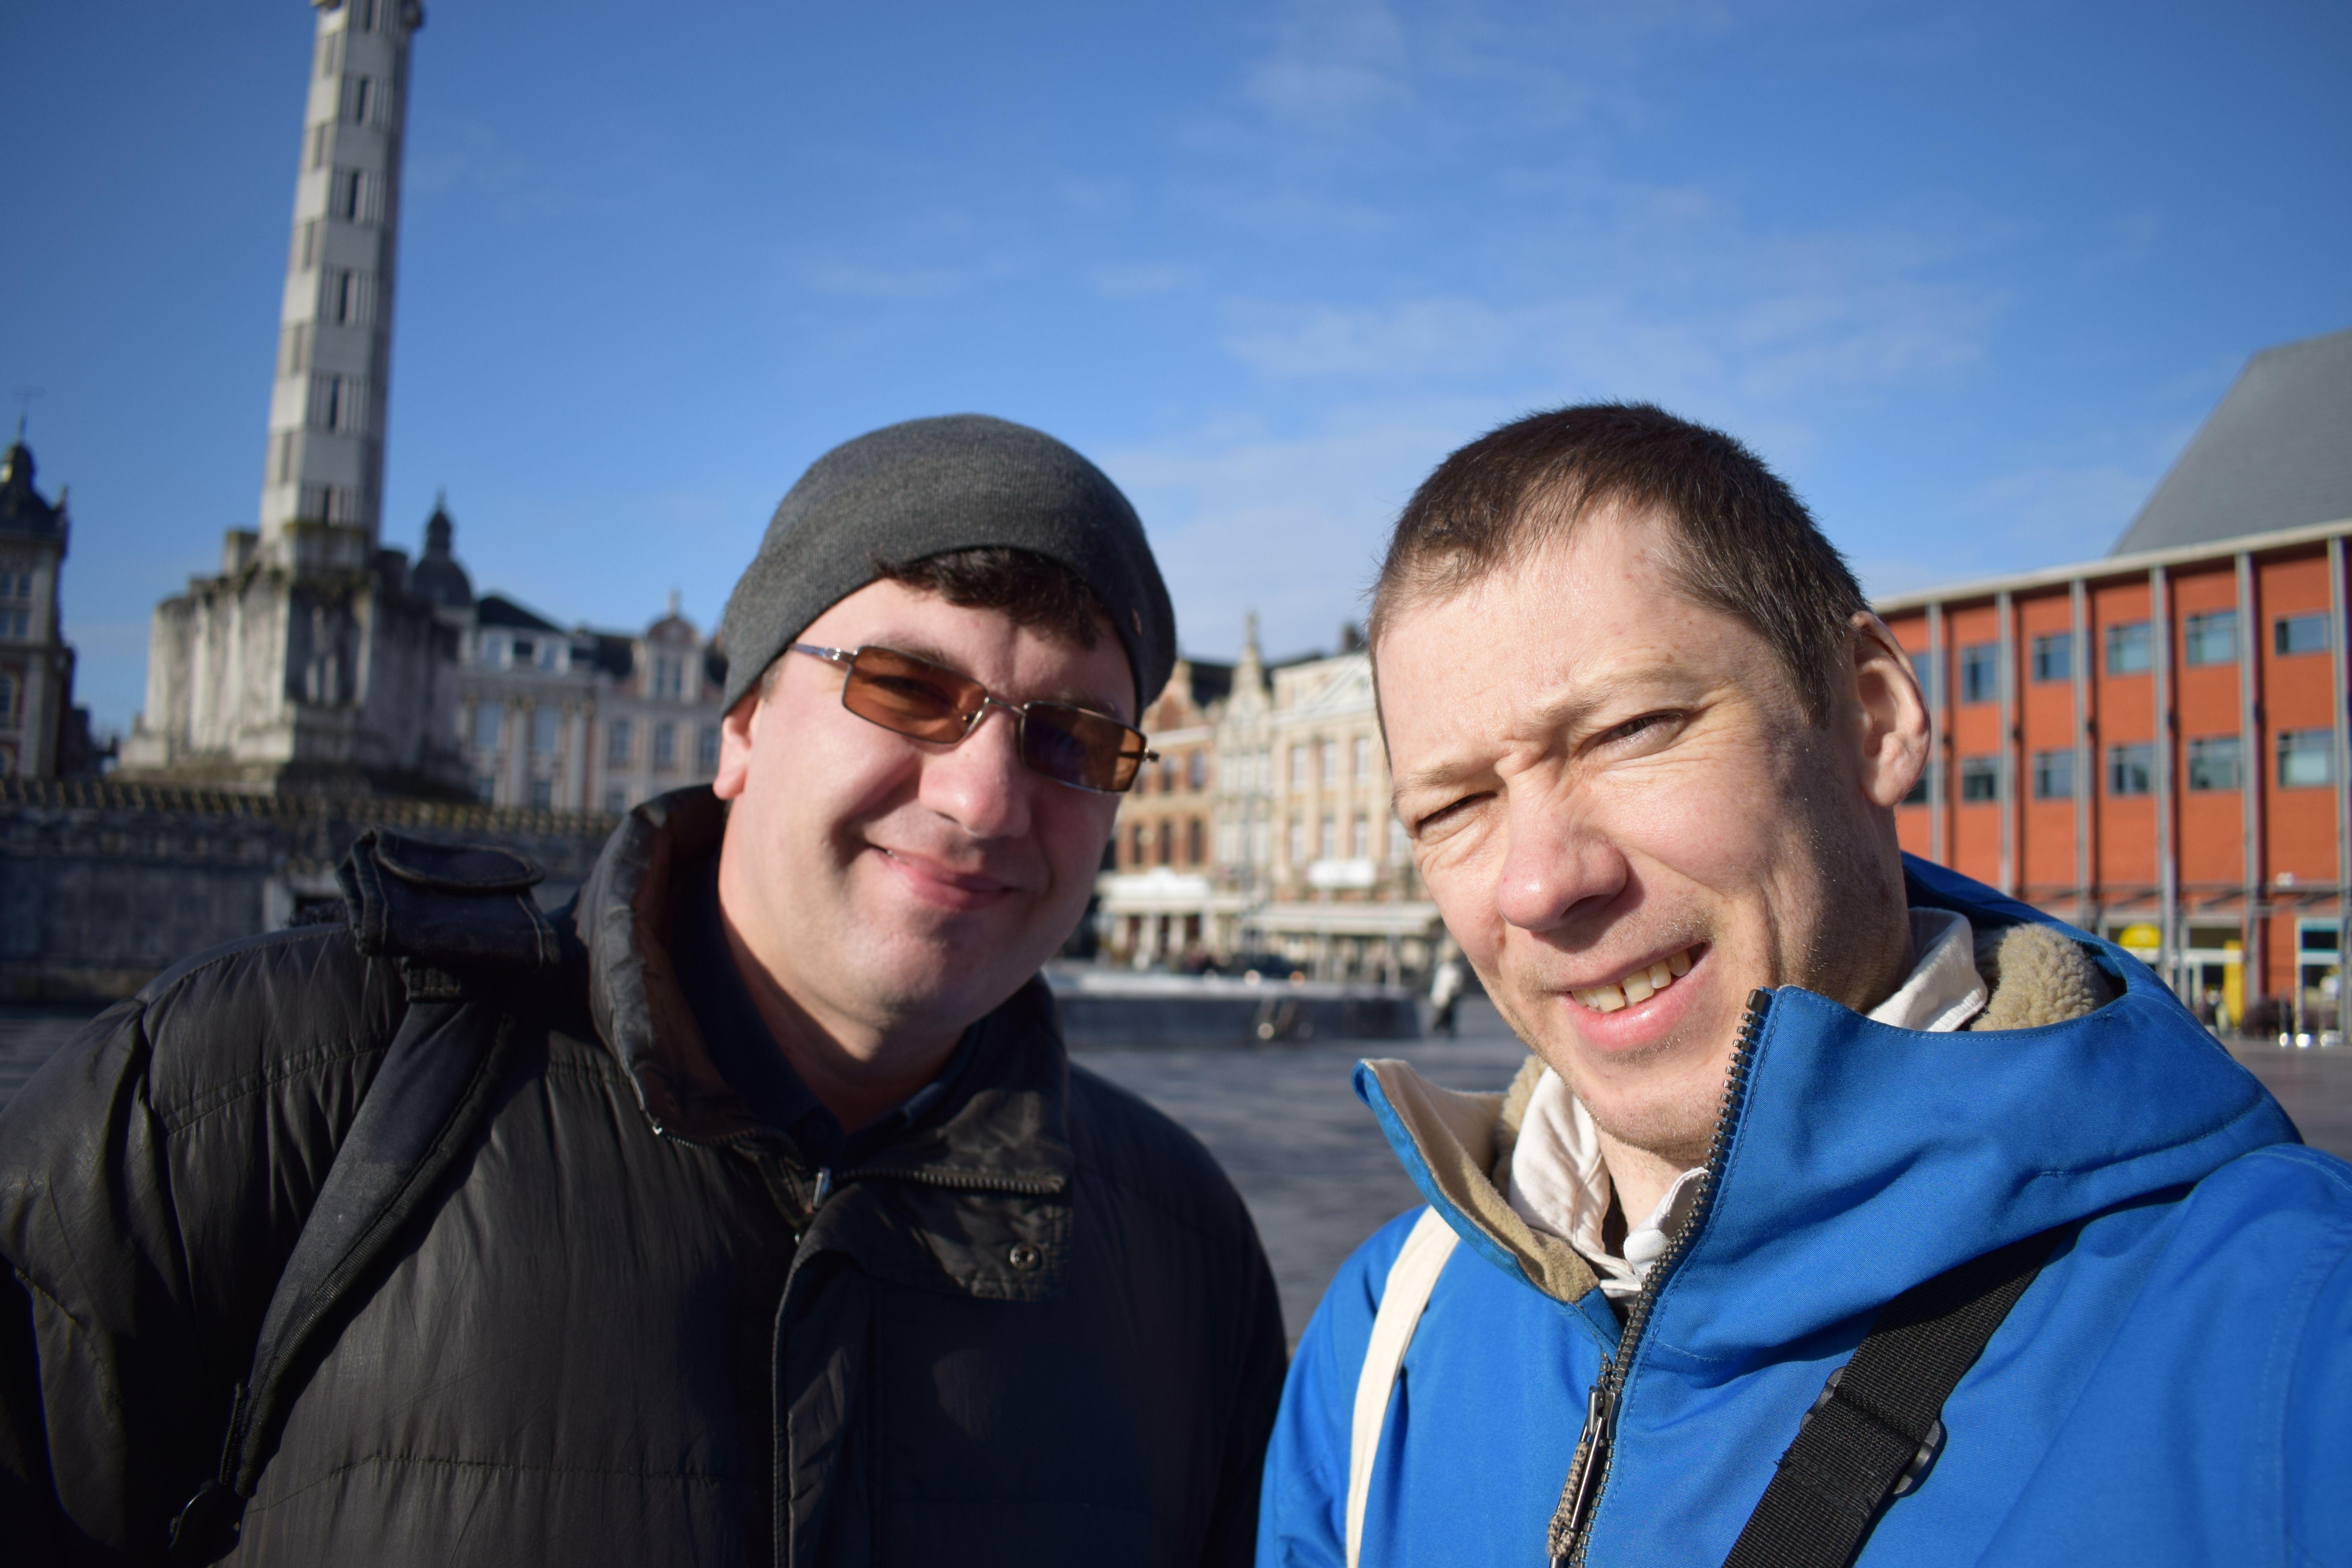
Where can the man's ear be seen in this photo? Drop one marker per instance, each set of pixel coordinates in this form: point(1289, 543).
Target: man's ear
point(1890, 715)
point(735, 744)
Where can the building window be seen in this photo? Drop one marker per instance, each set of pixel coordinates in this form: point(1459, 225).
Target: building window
point(8, 700)
point(546, 729)
point(2211, 639)
point(1979, 778)
point(670, 676)
point(2053, 776)
point(17, 625)
point(2130, 650)
point(542, 792)
point(1400, 842)
point(357, 90)
point(665, 745)
point(1929, 669)
point(1359, 837)
point(488, 719)
point(620, 740)
point(320, 134)
point(1167, 842)
point(1297, 767)
point(1297, 841)
point(2306, 759)
point(1326, 842)
point(2054, 656)
point(1330, 749)
point(2213, 762)
point(1167, 774)
point(2299, 633)
point(1197, 766)
point(1363, 757)
point(486, 788)
point(1924, 787)
point(1981, 672)
point(551, 654)
point(616, 801)
point(706, 749)
point(2131, 769)
point(16, 585)
point(1135, 847)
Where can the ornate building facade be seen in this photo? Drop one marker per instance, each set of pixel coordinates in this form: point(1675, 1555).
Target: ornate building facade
point(1263, 835)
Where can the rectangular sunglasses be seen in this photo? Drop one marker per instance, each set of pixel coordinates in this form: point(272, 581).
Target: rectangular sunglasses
point(914, 697)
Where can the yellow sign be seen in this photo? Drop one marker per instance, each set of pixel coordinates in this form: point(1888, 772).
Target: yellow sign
point(2137, 937)
point(2233, 985)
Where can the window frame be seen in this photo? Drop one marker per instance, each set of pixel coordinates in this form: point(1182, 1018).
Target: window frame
point(2122, 635)
point(2141, 753)
point(2052, 657)
point(2206, 756)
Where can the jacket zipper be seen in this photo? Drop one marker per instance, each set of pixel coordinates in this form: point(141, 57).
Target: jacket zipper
point(1570, 1533)
point(957, 1180)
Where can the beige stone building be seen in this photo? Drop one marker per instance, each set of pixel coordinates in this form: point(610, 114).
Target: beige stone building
point(1264, 830)
point(1342, 899)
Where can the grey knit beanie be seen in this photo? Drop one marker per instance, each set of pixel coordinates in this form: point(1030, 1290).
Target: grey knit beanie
point(962, 482)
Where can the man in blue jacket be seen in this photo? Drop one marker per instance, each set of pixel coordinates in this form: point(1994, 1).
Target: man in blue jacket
point(1648, 741)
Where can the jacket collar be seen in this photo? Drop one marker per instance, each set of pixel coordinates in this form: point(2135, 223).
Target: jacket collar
point(1004, 1124)
point(1945, 1146)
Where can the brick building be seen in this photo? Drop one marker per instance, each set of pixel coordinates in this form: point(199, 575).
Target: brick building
point(2153, 745)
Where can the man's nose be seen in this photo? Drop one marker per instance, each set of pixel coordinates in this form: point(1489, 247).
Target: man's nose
point(981, 784)
point(1557, 861)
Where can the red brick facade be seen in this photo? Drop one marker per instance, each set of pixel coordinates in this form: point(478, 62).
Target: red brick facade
point(2154, 740)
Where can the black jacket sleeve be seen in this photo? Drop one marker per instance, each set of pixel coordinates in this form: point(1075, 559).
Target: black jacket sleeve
point(154, 1176)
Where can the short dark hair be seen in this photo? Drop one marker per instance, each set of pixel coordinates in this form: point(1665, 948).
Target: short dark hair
point(1745, 545)
point(1028, 588)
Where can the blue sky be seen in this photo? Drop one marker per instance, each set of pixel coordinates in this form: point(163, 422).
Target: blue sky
point(1967, 276)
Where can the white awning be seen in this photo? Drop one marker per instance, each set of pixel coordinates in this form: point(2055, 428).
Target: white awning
point(1383, 920)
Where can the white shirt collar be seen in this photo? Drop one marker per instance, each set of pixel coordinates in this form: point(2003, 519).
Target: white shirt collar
point(1559, 1183)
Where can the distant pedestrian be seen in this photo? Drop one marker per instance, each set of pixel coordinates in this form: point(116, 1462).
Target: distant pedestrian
point(778, 1227)
point(1445, 988)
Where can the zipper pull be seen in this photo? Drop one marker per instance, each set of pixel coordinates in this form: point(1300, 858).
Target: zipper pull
point(823, 1190)
point(1591, 1457)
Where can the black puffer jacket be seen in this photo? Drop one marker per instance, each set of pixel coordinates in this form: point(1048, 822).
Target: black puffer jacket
point(629, 1327)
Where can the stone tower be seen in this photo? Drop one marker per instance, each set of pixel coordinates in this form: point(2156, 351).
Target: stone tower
point(325, 459)
point(310, 663)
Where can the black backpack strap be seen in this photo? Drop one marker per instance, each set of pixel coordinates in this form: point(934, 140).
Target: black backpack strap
point(1878, 1426)
point(452, 917)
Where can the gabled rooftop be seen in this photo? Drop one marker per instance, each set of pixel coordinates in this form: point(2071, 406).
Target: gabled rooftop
point(2275, 452)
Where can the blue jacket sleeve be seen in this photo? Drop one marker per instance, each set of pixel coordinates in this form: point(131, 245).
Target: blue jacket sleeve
point(1302, 1510)
point(2318, 1434)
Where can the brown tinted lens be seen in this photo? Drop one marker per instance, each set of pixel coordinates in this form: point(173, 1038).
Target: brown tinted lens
point(1080, 748)
point(912, 696)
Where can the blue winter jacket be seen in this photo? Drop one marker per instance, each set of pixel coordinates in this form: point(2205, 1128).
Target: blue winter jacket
point(2175, 1388)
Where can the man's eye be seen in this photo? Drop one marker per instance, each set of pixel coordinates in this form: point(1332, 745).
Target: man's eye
point(1633, 726)
point(1438, 819)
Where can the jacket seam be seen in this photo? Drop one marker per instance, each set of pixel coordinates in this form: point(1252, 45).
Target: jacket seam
point(177, 1119)
point(367, 1461)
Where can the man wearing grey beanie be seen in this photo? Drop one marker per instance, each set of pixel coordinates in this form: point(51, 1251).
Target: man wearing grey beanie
point(778, 1227)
